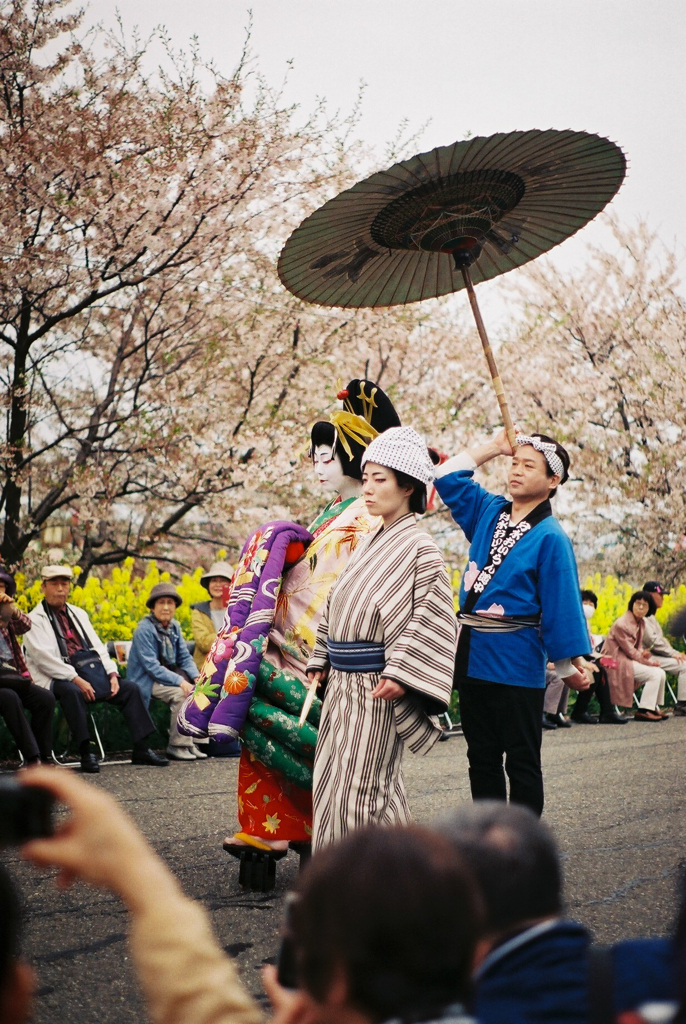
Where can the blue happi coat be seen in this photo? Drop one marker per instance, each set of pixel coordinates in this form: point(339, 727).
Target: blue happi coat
point(538, 577)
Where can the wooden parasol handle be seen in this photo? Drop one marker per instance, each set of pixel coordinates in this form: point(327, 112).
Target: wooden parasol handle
point(490, 359)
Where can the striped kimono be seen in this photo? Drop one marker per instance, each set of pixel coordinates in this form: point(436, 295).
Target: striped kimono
point(394, 591)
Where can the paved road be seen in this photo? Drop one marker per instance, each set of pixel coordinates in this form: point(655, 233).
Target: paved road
point(615, 797)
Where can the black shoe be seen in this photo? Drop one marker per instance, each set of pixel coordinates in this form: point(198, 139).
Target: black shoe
point(90, 764)
point(613, 718)
point(562, 722)
point(584, 718)
point(149, 756)
point(549, 721)
point(680, 709)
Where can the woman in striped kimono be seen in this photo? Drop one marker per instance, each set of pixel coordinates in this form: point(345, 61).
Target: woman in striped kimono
point(385, 647)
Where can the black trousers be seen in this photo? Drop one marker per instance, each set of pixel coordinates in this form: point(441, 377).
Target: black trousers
point(129, 699)
point(499, 720)
point(601, 689)
point(34, 740)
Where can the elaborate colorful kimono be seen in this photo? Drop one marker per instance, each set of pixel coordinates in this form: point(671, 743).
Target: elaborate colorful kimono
point(394, 595)
point(225, 687)
point(274, 793)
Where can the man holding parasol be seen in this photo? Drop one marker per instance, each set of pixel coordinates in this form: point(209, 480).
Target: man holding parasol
point(520, 607)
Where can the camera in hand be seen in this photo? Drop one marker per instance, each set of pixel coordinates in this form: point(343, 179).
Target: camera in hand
point(25, 813)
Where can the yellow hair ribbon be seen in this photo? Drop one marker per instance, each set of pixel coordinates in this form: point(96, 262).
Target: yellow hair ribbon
point(355, 427)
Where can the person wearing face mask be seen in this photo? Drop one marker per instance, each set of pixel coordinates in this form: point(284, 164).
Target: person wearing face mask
point(632, 665)
point(274, 798)
point(600, 688)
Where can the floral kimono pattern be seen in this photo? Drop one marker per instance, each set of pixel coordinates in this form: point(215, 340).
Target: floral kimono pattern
point(219, 704)
point(274, 793)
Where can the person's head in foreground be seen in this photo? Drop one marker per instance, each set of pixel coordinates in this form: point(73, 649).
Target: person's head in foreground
point(641, 604)
point(163, 601)
point(385, 926)
point(16, 976)
point(539, 466)
point(396, 469)
point(514, 859)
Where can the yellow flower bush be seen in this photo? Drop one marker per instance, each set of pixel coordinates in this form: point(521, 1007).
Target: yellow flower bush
point(116, 603)
point(613, 598)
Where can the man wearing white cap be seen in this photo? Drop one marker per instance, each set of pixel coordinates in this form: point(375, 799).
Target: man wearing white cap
point(58, 645)
point(385, 647)
point(520, 607)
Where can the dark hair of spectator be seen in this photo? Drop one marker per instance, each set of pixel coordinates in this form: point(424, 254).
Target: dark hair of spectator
point(418, 496)
point(589, 595)
point(680, 946)
point(642, 595)
point(563, 454)
point(514, 858)
point(10, 925)
point(396, 913)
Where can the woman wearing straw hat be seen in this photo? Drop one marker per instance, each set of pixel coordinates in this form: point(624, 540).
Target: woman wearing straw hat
point(160, 663)
point(385, 648)
point(207, 616)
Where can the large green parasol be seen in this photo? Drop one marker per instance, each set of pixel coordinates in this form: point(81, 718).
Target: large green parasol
point(450, 218)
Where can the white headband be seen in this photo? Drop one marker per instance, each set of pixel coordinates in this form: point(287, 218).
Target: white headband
point(403, 449)
point(547, 450)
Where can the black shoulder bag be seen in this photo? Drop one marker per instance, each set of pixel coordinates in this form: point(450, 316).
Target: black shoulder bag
point(87, 662)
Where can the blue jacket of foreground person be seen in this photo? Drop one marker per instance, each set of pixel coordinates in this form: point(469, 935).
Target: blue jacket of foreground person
point(540, 976)
point(145, 666)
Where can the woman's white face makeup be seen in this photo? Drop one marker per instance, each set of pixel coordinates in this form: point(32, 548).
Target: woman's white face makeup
point(328, 469)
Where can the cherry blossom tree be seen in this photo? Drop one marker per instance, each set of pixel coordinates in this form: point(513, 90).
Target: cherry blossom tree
point(158, 378)
point(596, 359)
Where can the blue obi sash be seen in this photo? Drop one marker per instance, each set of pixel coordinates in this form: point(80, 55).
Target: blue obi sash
point(356, 656)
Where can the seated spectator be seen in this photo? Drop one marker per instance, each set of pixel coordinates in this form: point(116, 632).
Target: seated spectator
point(17, 692)
point(161, 665)
point(57, 627)
point(632, 664)
point(600, 688)
point(384, 924)
point(668, 658)
point(536, 963)
point(207, 617)
point(555, 700)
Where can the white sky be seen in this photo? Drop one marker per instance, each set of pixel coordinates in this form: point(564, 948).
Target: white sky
point(615, 67)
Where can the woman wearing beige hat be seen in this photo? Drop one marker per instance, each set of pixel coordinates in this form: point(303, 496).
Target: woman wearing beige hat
point(207, 616)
